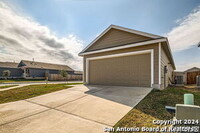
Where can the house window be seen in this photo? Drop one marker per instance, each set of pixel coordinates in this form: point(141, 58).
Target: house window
point(179, 79)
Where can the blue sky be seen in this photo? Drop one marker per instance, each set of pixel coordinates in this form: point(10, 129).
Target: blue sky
point(85, 19)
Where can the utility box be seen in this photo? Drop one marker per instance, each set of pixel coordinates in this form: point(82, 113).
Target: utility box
point(189, 99)
point(184, 111)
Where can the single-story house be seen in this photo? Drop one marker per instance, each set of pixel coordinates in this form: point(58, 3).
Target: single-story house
point(12, 67)
point(187, 77)
point(33, 69)
point(125, 57)
point(38, 70)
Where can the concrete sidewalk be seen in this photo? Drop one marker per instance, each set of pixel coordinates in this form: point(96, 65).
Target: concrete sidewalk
point(39, 82)
point(9, 88)
point(78, 109)
point(33, 83)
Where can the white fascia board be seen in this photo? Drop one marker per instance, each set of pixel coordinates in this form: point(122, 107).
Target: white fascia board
point(125, 46)
point(120, 55)
point(170, 52)
point(159, 63)
point(152, 67)
point(97, 38)
point(136, 32)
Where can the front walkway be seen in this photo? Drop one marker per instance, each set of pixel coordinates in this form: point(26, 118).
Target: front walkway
point(22, 84)
point(74, 110)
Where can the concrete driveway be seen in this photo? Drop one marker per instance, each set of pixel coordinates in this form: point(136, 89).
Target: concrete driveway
point(85, 109)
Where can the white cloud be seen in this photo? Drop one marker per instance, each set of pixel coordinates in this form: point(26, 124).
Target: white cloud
point(187, 33)
point(23, 38)
point(186, 66)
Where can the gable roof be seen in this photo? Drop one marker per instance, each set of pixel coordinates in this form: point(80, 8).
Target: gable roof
point(9, 64)
point(122, 29)
point(154, 39)
point(42, 65)
point(194, 68)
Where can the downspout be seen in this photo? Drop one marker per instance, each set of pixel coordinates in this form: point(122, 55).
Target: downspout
point(164, 80)
point(165, 71)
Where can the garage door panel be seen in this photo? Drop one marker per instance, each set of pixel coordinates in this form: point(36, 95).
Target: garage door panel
point(134, 70)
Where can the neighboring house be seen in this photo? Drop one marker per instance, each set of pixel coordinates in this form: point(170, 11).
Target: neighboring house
point(32, 69)
point(187, 77)
point(126, 57)
point(38, 70)
point(12, 67)
point(78, 73)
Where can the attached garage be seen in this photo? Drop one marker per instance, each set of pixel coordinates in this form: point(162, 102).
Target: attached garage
point(132, 69)
point(124, 57)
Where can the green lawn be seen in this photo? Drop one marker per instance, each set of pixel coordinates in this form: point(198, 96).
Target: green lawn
point(7, 86)
point(31, 91)
point(153, 107)
point(22, 80)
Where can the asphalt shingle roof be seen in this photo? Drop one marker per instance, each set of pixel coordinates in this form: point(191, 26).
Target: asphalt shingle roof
point(42, 65)
point(9, 64)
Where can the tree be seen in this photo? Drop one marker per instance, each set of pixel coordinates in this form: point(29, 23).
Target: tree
point(64, 73)
point(6, 74)
point(198, 44)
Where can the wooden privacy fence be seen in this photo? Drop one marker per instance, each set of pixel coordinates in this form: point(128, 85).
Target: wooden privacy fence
point(60, 78)
point(192, 76)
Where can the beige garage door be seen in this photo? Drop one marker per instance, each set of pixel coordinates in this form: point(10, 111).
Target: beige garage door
point(134, 70)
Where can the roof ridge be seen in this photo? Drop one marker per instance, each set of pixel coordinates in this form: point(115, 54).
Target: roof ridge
point(44, 62)
point(112, 25)
point(7, 62)
point(191, 68)
point(35, 64)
